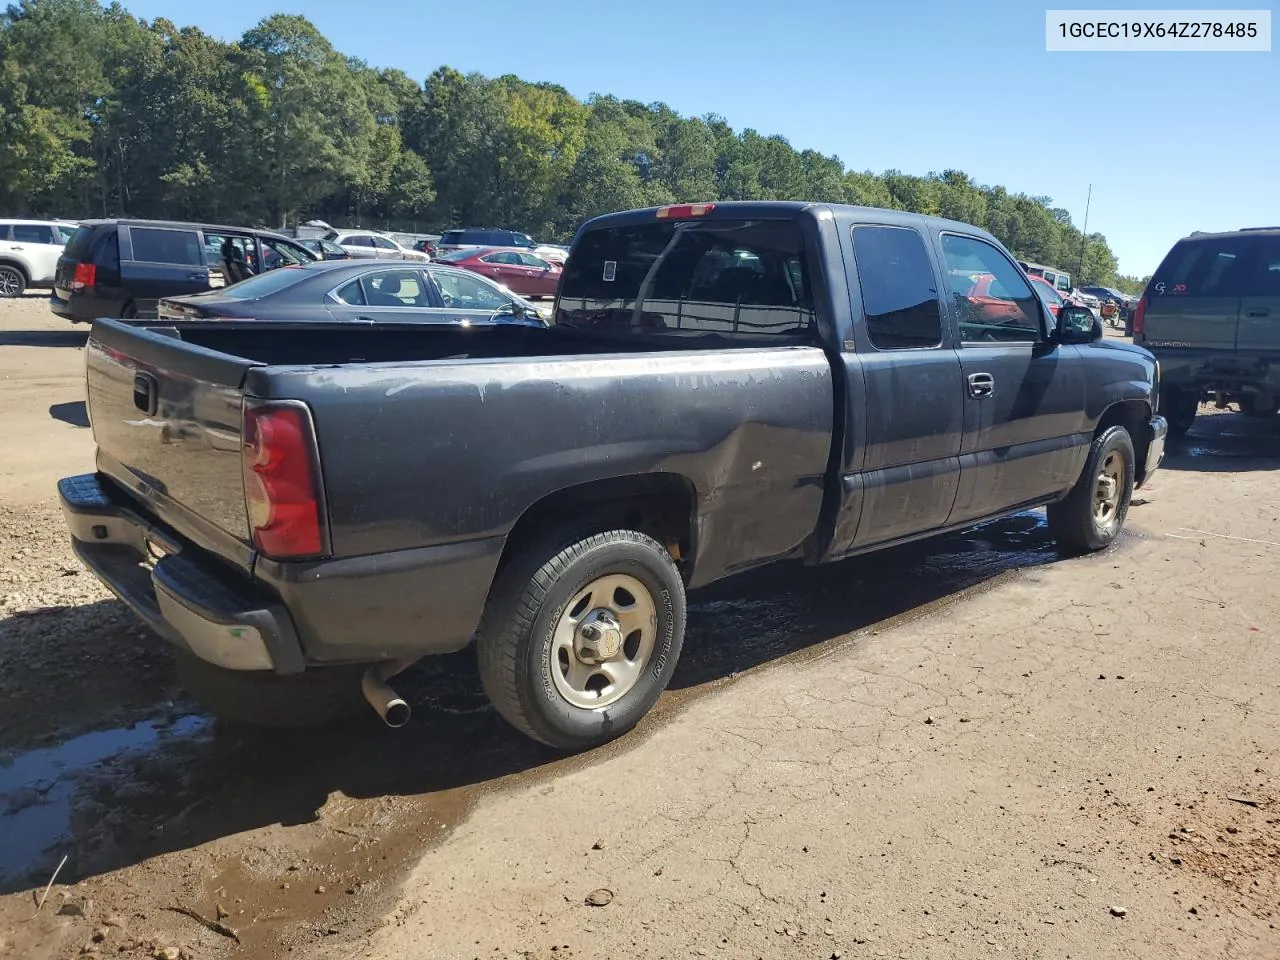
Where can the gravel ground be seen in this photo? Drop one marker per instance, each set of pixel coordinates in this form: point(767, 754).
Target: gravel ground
point(967, 748)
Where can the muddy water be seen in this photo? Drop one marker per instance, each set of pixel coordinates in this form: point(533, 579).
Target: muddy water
point(339, 814)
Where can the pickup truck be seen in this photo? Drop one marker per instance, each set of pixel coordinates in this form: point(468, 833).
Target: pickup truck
point(306, 509)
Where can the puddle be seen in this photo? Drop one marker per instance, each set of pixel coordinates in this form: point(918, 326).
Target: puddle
point(38, 787)
point(775, 612)
point(1227, 442)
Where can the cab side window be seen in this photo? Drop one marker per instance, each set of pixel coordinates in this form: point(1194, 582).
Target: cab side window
point(992, 300)
point(899, 292)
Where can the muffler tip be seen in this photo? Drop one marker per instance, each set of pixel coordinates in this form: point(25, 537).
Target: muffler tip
point(397, 713)
point(388, 704)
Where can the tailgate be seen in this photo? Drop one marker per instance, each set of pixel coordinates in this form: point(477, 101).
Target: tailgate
point(1203, 323)
point(166, 418)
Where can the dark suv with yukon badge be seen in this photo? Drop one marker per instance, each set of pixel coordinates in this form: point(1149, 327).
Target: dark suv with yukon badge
point(124, 268)
point(722, 386)
point(1211, 316)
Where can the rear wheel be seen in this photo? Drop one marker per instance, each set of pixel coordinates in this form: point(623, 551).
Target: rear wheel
point(261, 698)
point(1093, 513)
point(1179, 408)
point(12, 281)
point(1255, 405)
point(577, 643)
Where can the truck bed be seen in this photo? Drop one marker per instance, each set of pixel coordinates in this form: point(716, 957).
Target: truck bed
point(434, 442)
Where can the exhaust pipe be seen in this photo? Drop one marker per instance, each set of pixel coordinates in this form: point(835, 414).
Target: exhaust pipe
point(390, 706)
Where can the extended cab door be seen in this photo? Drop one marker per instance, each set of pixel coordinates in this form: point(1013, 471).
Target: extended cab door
point(1025, 433)
point(902, 480)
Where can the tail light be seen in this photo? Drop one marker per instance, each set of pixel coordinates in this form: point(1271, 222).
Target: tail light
point(85, 276)
point(1140, 318)
point(282, 488)
point(681, 211)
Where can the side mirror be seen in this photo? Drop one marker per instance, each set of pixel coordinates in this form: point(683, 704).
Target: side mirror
point(1077, 325)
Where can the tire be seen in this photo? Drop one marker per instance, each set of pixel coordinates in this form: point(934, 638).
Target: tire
point(530, 671)
point(1179, 409)
point(1078, 522)
point(1248, 404)
point(260, 698)
point(13, 282)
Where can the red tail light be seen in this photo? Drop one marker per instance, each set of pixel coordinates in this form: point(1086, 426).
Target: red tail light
point(282, 481)
point(681, 211)
point(1140, 318)
point(85, 276)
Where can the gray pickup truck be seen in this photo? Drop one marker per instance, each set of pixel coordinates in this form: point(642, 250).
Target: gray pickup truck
point(304, 511)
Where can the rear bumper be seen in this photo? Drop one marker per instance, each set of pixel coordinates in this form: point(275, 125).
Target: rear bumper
point(1184, 368)
point(1158, 428)
point(398, 605)
point(183, 597)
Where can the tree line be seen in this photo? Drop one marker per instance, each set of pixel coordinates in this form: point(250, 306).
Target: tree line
point(105, 114)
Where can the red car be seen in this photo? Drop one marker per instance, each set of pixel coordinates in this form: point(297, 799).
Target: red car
point(518, 270)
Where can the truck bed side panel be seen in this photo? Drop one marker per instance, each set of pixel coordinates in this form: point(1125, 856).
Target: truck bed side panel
point(458, 450)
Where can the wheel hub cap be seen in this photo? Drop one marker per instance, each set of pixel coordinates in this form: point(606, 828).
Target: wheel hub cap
point(602, 644)
point(598, 638)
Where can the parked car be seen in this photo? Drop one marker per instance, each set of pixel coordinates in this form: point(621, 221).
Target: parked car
point(346, 500)
point(29, 251)
point(1049, 295)
point(1060, 279)
point(1123, 306)
point(324, 249)
point(357, 291)
point(553, 252)
point(473, 238)
point(518, 270)
point(122, 268)
point(1211, 315)
point(370, 245)
point(428, 247)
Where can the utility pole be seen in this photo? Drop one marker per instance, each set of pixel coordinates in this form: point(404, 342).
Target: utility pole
point(1084, 234)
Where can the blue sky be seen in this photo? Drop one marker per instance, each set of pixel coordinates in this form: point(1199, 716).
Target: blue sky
point(1171, 142)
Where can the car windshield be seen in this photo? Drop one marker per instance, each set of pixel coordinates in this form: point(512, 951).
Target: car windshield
point(65, 232)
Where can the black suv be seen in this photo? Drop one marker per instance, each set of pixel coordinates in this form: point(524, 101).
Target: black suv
point(123, 268)
point(475, 237)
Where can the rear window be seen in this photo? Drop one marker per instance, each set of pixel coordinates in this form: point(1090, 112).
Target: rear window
point(79, 244)
point(456, 255)
point(263, 284)
point(744, 279)
point(154, 245)
point(1212, 267)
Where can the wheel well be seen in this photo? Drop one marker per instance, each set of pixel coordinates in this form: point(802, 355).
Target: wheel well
point(17, 265)
point(662, 505)
point(1133, 416)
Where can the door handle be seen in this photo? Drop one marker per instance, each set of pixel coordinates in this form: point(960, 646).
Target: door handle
point(981, 385)
point(1262, 312)
point(16, 247)
point(197, 275)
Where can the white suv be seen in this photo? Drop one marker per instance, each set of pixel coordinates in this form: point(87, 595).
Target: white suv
point(367, 244)
point(29, 252)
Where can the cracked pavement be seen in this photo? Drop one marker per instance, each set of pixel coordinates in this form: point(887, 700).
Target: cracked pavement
point(991, 778)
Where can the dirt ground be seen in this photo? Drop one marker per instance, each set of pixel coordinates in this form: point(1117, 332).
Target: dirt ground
point(965, 748)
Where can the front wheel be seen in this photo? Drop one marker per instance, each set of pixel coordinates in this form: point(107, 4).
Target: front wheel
point(577, 644)
point(1093, 513)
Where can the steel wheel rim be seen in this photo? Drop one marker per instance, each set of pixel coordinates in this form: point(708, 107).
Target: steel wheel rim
point(1108, 488)
point(10, 282)
point(603, 641)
